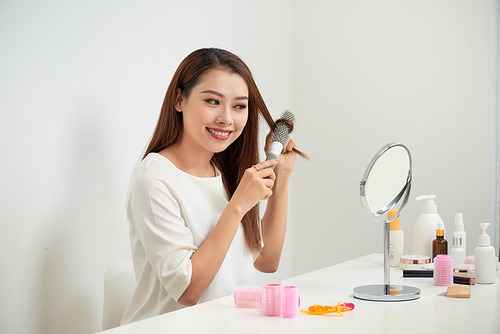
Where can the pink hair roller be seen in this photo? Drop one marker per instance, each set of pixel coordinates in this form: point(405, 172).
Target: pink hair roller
point(291, 301)
point(272, 299)
point(248, 296)
point(443, 270)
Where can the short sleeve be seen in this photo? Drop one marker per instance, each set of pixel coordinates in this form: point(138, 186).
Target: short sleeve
point(154, 211)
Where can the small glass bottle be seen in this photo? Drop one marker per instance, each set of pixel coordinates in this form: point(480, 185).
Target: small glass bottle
point(439, 245)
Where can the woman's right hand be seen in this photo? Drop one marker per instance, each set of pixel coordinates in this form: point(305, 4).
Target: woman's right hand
point(256, 185)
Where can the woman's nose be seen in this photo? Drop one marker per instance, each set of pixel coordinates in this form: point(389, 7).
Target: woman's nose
point(225, 116)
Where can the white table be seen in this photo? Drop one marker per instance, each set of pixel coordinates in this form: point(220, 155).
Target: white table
point(431, 313)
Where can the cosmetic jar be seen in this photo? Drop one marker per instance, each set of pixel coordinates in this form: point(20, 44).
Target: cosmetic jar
point(414, 261)
point(470, 260)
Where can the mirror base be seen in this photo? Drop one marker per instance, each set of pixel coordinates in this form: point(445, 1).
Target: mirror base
point(386, 293)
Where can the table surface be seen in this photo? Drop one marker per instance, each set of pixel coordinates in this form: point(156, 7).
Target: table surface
point(433, 312)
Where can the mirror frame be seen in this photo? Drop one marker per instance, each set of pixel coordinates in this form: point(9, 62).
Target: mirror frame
point(382, 292)
point(404, 193)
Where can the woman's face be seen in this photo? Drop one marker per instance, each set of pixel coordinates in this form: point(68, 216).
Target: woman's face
point(215, 112)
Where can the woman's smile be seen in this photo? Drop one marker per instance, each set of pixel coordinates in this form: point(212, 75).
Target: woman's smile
point(219, 133)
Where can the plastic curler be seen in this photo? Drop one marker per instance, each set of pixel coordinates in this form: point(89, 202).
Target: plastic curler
point(248, 296)
point(272, 299)
point(443, 270)
point(291, 301)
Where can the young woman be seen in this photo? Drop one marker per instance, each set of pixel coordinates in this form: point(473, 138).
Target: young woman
point(192, 202)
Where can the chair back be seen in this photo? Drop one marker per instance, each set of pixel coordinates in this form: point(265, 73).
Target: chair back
point(119, 286)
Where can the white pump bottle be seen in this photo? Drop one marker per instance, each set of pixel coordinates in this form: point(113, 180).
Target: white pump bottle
point(424, 231)
point(484, 258)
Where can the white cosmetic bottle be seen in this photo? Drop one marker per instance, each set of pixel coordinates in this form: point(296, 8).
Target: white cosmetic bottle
point(484, 258)
point(459, 230)
point(424, 231)
point(457, 252)
point(396, 240)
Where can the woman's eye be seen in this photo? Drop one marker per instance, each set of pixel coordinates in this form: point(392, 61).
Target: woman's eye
point(241, 107)
point(212, 101)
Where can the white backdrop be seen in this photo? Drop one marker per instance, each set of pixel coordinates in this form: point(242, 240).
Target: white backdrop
point(416, 72)
point(82, 84)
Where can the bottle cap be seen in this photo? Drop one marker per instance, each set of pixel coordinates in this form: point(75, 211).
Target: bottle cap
point(484, 238)
point(414, 261)
point(459, 222)
point(440, 230)
point(394, 225)
point(429, 204)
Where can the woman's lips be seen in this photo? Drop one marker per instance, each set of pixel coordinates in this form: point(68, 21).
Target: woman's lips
point(219, 134)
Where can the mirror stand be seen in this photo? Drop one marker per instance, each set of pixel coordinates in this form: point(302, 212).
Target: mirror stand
point(386, 291)
point(389, 177)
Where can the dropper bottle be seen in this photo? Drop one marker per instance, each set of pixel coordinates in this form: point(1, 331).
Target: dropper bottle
point(439, 245)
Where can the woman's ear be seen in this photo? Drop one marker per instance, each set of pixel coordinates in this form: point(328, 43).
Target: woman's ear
point(178, 100)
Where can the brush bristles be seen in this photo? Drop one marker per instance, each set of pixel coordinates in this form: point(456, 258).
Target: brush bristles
point(282, 130)
point(288, 115)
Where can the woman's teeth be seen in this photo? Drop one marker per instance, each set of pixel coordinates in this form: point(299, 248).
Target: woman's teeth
point(220, 133)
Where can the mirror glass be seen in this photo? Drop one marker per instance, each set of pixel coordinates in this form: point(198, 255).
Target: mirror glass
point(386, 185)
point(387, 181)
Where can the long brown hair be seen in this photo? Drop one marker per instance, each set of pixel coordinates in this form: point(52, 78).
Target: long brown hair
point(244, 151)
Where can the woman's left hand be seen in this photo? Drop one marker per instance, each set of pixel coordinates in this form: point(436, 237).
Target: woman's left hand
point(286, 159)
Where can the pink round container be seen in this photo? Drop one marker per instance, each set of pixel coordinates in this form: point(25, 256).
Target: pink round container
point(248, 296)
point(291, 301)
point(443, 270)
point(272, 299)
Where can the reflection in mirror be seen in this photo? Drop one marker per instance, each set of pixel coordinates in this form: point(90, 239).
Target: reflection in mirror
point(386, 181)
point(387, 178)
point(385, 185)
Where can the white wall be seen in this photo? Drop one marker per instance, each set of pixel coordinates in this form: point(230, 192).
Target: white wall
point(82, 84)
point(367, 73)
point(80, 91)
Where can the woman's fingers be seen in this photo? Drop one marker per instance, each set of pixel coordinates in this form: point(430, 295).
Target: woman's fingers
point(262, 172)
point(263, 169)
point(257, 184)
point(265, 176)
point(290, 145)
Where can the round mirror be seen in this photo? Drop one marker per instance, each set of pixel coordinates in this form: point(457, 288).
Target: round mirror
point(386, 185)
point(387, 181)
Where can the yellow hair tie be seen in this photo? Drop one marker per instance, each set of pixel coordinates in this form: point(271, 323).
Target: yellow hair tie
point(329, 310)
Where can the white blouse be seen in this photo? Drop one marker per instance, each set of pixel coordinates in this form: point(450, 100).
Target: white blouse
point(170, 215)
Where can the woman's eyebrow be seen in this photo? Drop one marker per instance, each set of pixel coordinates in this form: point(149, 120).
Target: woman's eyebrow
point(222, 95)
